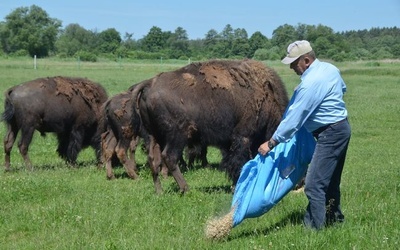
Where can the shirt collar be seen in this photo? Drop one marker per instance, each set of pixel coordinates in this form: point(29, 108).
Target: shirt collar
point(313, 65)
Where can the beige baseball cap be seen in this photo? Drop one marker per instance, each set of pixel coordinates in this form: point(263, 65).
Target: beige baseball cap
point(295, 50)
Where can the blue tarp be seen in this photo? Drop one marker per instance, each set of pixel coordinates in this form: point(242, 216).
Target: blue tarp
point(265, 180)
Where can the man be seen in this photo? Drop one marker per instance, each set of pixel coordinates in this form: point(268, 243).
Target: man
point(317, 104)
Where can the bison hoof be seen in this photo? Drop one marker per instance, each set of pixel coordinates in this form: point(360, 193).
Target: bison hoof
point(112, 177)
point(184, 190)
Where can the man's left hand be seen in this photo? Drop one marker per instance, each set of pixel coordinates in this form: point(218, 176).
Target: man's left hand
point(264, 149)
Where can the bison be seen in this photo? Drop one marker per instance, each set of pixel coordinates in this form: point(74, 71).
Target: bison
point(69, 107)
point(234, 105)
point(121, 135)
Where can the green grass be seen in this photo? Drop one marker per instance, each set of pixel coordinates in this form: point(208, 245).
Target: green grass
point(57, 207)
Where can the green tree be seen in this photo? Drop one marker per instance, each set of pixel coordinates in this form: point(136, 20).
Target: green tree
point(198, 49)
point(30, 29)
point(128, 41)
point(128, 46)
point(302, 31)
point(223, 49)
point(396, 50)
point(257, 41)
point(283, 36)
point(240, 44)
point(3, 34)
point(154, 41)
point(326, 42)
point(315, 32)
point(321, 46)
point(268, 54)
point(109, 41)
point(73, 39)
point(211, 38)
point(179, 44)
point(210, 42)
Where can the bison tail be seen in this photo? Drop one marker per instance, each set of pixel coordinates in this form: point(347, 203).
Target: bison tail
point(137, 91)
point(9, 110)
point(103, 121)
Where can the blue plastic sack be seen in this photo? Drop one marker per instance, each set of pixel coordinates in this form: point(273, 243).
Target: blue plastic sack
point(265, 180)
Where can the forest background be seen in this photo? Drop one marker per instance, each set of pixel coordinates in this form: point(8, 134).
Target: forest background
point(30, 31)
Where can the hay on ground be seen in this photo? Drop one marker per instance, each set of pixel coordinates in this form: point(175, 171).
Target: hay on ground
point(219, 228)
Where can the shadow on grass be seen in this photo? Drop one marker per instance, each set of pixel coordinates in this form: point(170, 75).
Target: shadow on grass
point(122, 175)
point(49, 166)
point(198, 166)
point(216, 189)
point(174, 188)
point(294, 218)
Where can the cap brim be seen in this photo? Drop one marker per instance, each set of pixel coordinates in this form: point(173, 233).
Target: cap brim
point(289, 60)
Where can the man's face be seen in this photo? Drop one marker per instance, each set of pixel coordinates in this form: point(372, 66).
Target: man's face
point(300, 65)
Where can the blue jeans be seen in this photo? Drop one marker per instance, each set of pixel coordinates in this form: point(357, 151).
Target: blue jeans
point(322, 183)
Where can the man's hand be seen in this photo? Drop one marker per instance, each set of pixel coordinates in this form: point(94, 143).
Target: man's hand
point(264, 149)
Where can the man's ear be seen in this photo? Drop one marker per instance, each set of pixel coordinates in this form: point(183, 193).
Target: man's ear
point(307, 60)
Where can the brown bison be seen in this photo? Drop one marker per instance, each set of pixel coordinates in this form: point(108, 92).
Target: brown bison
point(69, 107)
point(119, 137)
point(232, 105)
point(122, 134)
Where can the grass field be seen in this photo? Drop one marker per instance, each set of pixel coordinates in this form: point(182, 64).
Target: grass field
point(56, 207)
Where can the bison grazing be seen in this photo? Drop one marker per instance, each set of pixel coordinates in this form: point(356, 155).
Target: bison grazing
point(69, 107)
point(233, 105)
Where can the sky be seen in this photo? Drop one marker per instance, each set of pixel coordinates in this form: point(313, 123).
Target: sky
point(137, 17)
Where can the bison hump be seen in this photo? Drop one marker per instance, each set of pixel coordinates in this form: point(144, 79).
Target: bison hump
point(227, 74)
point(84, 88)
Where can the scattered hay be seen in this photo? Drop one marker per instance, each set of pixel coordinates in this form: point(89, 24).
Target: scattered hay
point(299, 190)
point(219, 228)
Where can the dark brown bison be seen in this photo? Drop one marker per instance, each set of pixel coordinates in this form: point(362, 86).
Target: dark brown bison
point(69, 107)
point(232, 105)
point(119, 138)
point(122, 134)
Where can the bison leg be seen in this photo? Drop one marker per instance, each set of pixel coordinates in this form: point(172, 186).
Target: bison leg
point(197, 152)
point(108, 144)
point(9, 140)
point(132, 147)
point(129, 164)
point(182, 163)
point(164, 170)
point(62, 145)
point(171, 160)
point(203, 157)
point(74, 146)
point(23, 145)
point(154, 159)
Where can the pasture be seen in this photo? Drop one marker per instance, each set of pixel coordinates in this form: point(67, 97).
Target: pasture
point(59, 207)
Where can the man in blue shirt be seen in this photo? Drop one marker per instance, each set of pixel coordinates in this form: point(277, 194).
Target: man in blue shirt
point(317, 104)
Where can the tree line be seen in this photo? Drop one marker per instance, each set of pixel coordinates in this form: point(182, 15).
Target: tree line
point(30, 31)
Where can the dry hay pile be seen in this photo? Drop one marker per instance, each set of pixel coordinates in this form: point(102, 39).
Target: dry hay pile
point(218, 228)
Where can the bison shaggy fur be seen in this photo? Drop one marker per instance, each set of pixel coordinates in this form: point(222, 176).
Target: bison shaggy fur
point(234, 105)
point(67, 106)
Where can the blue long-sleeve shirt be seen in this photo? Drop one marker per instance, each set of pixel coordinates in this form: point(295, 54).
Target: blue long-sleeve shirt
point(316, 102)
